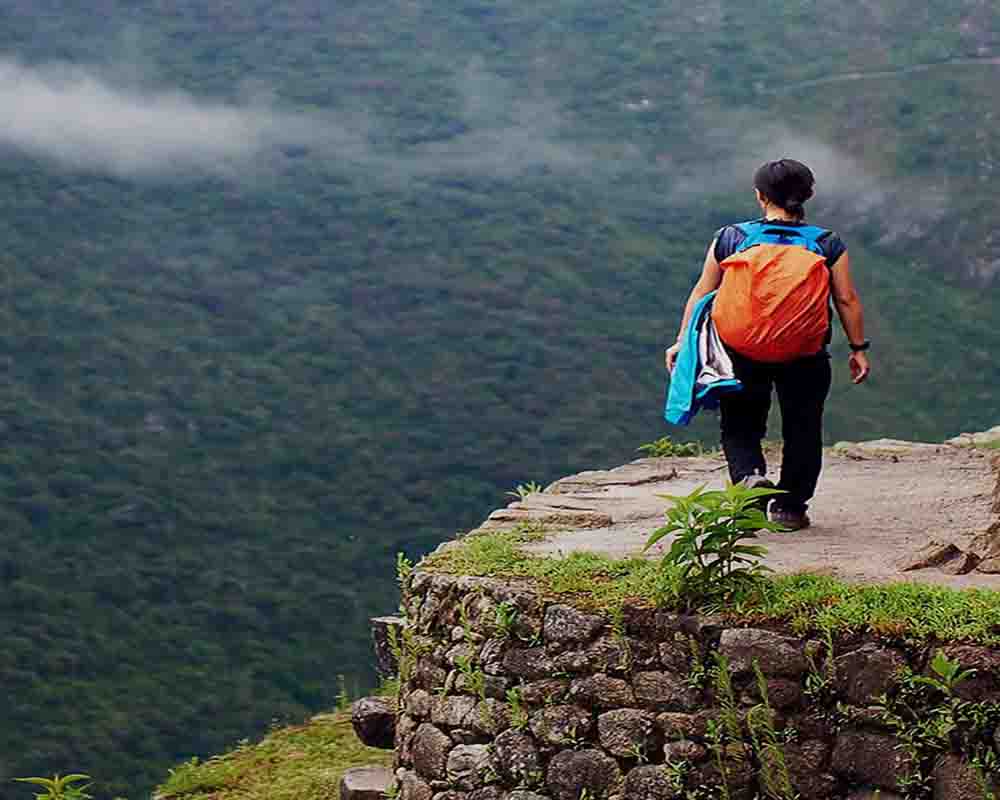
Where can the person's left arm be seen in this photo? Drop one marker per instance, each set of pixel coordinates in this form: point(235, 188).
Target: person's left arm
point(851, 313)
point(708, 282)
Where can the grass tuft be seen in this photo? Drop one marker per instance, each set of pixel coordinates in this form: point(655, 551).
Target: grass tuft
point(303, 762)
point(810, 603)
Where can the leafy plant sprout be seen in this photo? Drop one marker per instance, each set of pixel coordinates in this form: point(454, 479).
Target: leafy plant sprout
point(710, 547)
point(665, 447)
point(523, 490)
point(61, 787)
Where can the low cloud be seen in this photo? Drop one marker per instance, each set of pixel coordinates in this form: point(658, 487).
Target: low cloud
point(77, 118)
point(737, 143)
point(69, 115)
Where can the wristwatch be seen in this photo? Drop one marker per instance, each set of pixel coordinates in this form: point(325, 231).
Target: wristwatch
point(859, 348)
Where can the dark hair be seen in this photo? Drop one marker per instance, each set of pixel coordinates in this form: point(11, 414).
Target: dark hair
point(786, 183)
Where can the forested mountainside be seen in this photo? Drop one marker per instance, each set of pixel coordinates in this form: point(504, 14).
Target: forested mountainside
point(290, 288)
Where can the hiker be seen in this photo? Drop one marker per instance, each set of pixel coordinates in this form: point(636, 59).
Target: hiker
point(774, 279)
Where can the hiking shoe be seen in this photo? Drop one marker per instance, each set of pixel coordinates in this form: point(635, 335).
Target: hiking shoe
point(790, 520)
point(758, 482)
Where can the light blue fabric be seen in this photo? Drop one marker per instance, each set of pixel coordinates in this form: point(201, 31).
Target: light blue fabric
point(686, 394)
point(763, 232)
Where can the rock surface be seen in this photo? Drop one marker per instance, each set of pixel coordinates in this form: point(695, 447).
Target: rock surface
point(384, 629)
point(572, 771)
point(897, 490)
point(365, 783)
point(374, 721)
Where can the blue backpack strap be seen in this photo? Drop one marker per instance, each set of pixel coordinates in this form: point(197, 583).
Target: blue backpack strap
point(761, 232)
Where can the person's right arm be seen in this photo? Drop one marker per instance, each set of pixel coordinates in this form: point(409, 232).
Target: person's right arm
point(851, 313)
point(711, 277)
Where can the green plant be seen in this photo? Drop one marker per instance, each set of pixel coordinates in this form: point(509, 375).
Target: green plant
point(518, 713)
point(710, 547)
point(343, 700)
point(61, 787)
point(676, 772)
point(407, 647)
point(928, 718)
point(665, 447)
point(473, 678)
point(698, 674)
point(767, 743)
point(404, 569)
point(638, 752)
point(946, 675)
point(819, 683)
point(523, 490)
point(506, 616)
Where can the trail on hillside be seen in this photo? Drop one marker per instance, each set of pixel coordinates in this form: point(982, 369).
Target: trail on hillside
point(848, 77)
point(876, 502)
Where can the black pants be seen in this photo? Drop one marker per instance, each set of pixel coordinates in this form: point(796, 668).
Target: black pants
point(802, 387)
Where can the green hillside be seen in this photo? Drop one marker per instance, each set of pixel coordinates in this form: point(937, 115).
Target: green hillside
point(233, 391)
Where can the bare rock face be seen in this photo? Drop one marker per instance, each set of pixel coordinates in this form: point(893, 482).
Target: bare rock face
point(995, 464)
point(626, 733)
point(561, 725)
point(650, 783)
point(487, 793)
point(374, 721)
point(572, 771)
point(452, 712)
point(678, 725)
point(365, 783)
point(429, 749)
point(866, 673)
point(412, 786)
point(963, 565)
point(469, 765)
point(383, 631)
point(661, 691)
point(739, 777)
point(601, 692)
point(545, 691)
point(932, 554)
point(606, 654)
point(869, 759)
point(777, 655)
point(685, 750)
point(565, 626)
point(530, 663)
point(517, 757)
point(806, 762)
point(525, 795)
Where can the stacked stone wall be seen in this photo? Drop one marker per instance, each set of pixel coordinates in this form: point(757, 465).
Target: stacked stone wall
point(508, 696)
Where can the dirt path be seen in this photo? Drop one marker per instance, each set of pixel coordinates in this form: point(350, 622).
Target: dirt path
point(848, 77)
point(875, 502)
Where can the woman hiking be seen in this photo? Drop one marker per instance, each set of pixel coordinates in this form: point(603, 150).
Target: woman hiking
point(775, 278)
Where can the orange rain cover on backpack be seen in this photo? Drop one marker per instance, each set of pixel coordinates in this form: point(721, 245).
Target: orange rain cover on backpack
point(773, 304)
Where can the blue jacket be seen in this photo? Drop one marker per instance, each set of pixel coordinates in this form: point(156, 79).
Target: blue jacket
point(703, 369)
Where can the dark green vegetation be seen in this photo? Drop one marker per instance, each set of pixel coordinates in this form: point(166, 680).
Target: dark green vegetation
point(227, 403)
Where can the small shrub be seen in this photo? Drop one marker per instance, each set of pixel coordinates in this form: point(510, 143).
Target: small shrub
point(61, 787)
point(711, 544)
point(523, 490)
point(665, 447)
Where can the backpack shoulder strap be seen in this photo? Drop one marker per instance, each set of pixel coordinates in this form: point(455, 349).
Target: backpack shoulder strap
point(762, 232)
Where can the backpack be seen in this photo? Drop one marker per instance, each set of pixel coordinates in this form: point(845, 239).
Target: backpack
point(774, 301)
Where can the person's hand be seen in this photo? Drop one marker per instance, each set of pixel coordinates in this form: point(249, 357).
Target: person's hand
point(672, 352)
point(859, 367)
